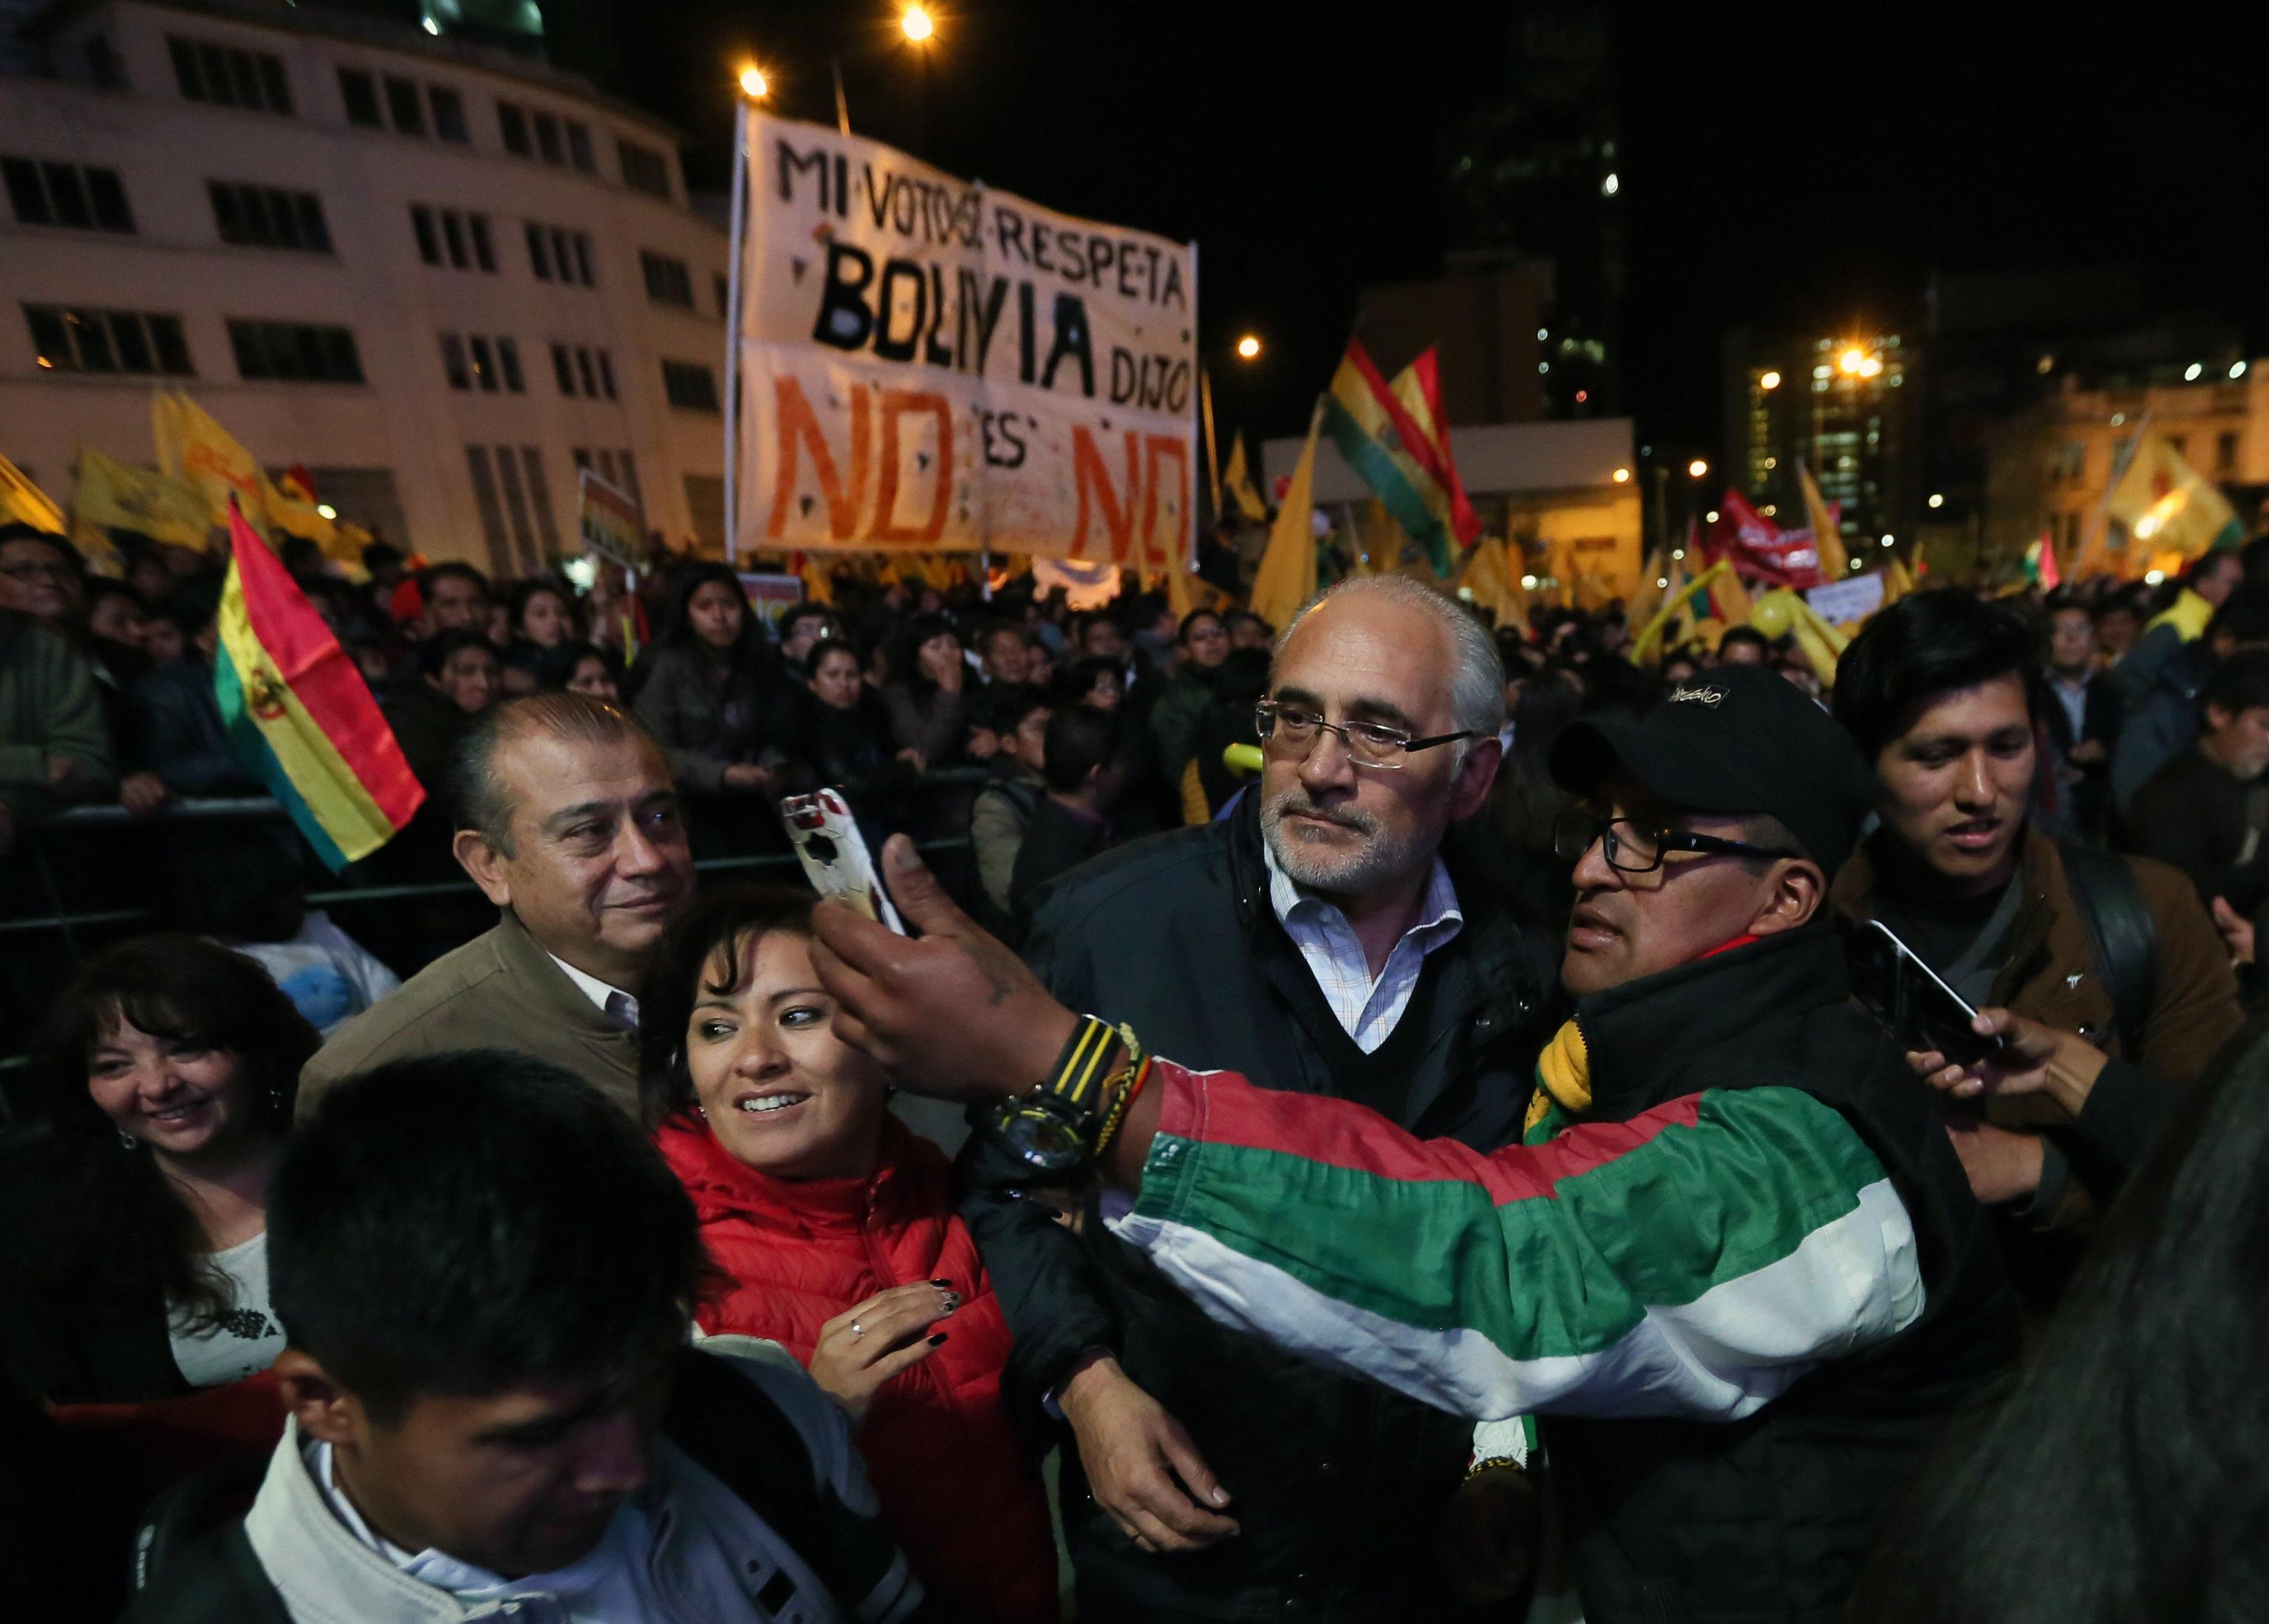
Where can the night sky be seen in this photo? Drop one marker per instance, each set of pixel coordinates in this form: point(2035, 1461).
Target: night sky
point(1780, 163)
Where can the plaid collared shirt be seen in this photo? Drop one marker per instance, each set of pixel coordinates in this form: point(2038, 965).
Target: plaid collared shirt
point(1368, 1007)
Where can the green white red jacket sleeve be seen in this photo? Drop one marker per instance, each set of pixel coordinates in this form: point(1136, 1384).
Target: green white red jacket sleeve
point(1693, 1261)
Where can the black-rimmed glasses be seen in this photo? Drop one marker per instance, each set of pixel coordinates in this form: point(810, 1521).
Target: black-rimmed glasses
point(1368, 744)
point(1633, 846)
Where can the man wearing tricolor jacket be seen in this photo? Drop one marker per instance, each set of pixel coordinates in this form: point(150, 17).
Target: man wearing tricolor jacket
point(1735, 1267)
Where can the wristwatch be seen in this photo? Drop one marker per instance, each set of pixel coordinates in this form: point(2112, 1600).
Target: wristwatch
point(1055, 1129)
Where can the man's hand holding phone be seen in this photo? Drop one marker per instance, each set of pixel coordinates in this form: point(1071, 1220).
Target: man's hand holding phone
point(2032, 1058)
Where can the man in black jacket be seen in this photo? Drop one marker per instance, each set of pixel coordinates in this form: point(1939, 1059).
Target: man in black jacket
point(1320, 942)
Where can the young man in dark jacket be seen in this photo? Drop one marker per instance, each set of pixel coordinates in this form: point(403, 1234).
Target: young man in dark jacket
point(1320, 942)
point(1735, 1268)
point(484, 1274)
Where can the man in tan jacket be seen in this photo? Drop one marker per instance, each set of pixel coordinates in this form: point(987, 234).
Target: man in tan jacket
point(570, 826)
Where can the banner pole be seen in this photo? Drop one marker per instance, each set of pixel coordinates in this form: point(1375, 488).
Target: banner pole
point(842, 106)
point(740, 224)
point(1205, 400)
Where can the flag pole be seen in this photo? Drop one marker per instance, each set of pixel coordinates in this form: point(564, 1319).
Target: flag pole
point(740, 225)
point(842, 106)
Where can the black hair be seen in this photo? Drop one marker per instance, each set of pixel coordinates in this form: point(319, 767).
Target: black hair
point(434, 574)
point(467, 1222)
point(556, 667)
point(1002, 706)
point(1242, 678)
point(2118, 603)
point(1744, 634)
point(193, 604)
point(300, 556)
point(475, 789)
point(101, 587)
point(2239, 684)
point(1072, 684)
point(120, 1227)
point(1182, 629)
point(748, 661)
point(1079, 739)
point(2128, 1471)
point(1925, 645)
point(2243, 619)
point(906, 649)
point(381, 556)
point(537, 586)
point(828, 645)
point(434, 653)
point(30, 533)
point(721, 917)
point(242, 885)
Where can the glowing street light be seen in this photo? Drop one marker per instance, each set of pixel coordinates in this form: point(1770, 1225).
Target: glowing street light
point(1623, 476)
point(1851, 361)
point(2190, 373)
point(1697, 469)
point(1248, 348)
point(327, 510)
point(1937, 500)
point(753, 83)
point(2237, 369)
point(916, 24)
point(1769, 380)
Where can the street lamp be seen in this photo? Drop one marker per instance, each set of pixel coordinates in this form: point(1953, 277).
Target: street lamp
point(753, 83)
point(1623, 476)
point(917, 24)
point(1769, 380)
point(1697, 469)
point(1248, 348)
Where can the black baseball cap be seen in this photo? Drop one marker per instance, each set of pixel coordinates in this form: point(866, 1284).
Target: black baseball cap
point(1734, 740)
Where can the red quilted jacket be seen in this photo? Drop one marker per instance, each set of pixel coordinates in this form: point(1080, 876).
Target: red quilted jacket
point(957, 1486)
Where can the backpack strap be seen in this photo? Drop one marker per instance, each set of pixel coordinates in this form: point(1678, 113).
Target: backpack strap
point(2121, 932)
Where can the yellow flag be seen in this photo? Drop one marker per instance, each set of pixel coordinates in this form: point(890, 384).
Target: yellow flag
point(22, 502)
point(1488, 579)
point(112, 495)
point(1238, 482)
point(2167, 505)
point(819, 584)
point(1649, 597)
point(1287, 577)
point(1825, 535)
point(194, 448)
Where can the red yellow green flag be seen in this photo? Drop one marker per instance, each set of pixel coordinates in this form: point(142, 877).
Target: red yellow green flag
point(297, 714)
point(1403, 459)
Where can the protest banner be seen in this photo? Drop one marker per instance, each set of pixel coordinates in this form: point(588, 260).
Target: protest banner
point(771, 596)
point(927, 363)
point(608, 520)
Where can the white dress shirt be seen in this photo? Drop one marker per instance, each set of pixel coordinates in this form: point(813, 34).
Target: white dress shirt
point(610, 1000)
point(1368, 1007)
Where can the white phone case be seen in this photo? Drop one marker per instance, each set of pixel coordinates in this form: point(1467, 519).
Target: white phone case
point(835, 856)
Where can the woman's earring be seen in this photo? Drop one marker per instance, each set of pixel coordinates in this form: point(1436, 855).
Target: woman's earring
point(127, 1141)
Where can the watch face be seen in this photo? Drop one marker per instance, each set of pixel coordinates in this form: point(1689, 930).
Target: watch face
point(1043, 1139)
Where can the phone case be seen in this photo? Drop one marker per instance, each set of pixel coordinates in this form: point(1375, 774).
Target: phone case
point(834, 854)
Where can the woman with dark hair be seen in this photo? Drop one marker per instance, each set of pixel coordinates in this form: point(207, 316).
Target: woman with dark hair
point(706, 687)
point(2127, 1476)
point(539, 617)
point(834, 1228)
point(929, 715)
point(459, 678)
point(846, 731)
point(581, 668)
point(163, 1083)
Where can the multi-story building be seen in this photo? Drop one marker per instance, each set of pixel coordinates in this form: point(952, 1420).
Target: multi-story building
point(1843, 405)
point(2050, 466)
point(440, 273)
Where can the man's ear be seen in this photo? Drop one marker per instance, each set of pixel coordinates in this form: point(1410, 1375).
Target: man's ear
point(325, 1411)
point(2216, 718)
point(1798, 890)
point(1476, 774)
point(477, 858)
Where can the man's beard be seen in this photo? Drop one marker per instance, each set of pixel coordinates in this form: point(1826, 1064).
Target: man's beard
point(1336, 871)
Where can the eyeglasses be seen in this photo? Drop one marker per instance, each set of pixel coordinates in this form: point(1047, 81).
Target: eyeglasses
point(1635, 847)
point(1368, 744)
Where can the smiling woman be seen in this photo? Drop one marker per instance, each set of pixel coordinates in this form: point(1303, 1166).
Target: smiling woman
point(165, 1080)
point(833, 1229)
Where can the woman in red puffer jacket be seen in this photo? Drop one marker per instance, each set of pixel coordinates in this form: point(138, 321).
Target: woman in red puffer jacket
point(834, 1227)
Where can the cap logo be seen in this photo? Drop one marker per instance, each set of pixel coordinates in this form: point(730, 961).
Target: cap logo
point(1711, 697)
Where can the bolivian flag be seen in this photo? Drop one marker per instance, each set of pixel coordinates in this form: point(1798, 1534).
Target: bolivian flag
point(297, 713)
point(1394, 437)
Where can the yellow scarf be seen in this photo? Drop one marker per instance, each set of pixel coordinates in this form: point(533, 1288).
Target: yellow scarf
point(1563, 1075)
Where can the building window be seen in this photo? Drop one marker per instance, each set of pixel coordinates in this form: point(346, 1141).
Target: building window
point(484, 249)
point(70, 340)
point(103, 65)
point(360, 92)
point(294, 352)
point(606, 374)
point(2224, 453)
point(724, 296)
point(667, 282)
point(690, 386)
point(508, 363)
point(563, 370)
point(453, 232)
point(583, 370)
point(452, 362)
point(511, 124)
point(227, 77)
point(462, 240)
point(429, 244)
point(547, 139)
point(644, 169)
point(268, 217)
point(579, 147)
point(449, 116)
point(485, 366)
point(556, 253)
point(47, 193)
point(407, 105)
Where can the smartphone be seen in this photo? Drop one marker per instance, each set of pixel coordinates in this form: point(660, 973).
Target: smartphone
point(835, 856)
point(1908, 996)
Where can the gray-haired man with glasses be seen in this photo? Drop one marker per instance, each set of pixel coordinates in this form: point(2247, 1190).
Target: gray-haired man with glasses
point(1323, 942)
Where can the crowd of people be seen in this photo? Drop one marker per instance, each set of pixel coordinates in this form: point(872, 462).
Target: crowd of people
point(1420, 1139)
